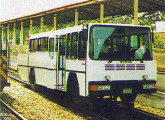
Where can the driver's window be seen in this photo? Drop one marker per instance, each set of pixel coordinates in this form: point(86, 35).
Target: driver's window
point(134, 41)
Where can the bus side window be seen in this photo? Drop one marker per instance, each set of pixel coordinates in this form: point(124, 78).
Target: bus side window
point(33, 45)
point(51, 48)
point(62, 44)
point(68, 46)
point(51, 45)
point(74, 41)
point(42, 44)
point(82, 47)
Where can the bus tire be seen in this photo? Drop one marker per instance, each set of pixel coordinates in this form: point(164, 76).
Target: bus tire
point(32, 80)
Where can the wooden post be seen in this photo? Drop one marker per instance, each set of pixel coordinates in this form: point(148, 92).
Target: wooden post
point(2, 35)
point(55, 22)
point(135, 5)
point(14, 35)
point(41, 24)
point(8, 28)
point(21, 33)
point(31, 26)
point(76, 17)
point(101, 13)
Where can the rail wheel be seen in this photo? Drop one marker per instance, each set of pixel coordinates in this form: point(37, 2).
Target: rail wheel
point(73, 89)
point(32, 80)
point(1, 87)
point(128, 100)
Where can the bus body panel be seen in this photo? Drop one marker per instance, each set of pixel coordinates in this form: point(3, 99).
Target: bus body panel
point(23, 66)
point(53, 72)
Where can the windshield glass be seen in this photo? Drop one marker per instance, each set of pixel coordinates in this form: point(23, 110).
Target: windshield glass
point(120, 43)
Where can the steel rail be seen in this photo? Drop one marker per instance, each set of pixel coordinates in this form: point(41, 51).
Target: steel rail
point(142, 114)
point(16, 114)
point(137, 112)
point(149, 116)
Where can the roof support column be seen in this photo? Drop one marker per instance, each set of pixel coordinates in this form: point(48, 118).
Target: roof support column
point(135, 6)
point(76, 17)
point(31, 26)
point(2, 38)
point(41, 24)
point(55, 22)
point(14, 35)
point(8, 28)
point(21, 33)
point(101, 13)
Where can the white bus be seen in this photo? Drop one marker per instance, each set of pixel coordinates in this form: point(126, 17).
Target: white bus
point(92, 60)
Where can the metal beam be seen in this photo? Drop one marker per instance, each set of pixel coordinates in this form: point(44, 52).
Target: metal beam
point(101, 13)
point(135, 6)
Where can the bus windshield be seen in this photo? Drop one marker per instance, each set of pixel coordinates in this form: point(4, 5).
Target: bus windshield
point(119, 43)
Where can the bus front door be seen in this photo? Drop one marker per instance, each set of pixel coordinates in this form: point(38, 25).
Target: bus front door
point(60, 62)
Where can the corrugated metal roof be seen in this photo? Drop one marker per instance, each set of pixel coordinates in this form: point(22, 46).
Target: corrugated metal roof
point(89, 9)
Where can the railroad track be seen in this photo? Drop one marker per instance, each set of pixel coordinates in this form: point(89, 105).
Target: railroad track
point(161, 70)
point(137, 114)
point(12, 114)
point(102, 112)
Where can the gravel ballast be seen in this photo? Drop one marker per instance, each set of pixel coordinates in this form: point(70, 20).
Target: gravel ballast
point(35, 106)
point(32, 105)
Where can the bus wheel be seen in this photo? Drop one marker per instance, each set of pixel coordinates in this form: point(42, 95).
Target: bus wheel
point(32, 80)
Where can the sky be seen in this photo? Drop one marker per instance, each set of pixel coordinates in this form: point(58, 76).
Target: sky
point(10, 9)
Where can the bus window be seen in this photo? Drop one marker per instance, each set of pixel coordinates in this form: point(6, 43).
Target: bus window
point(51, 45)
point(42, 44)
point(33, 45)
point(68, 46)
point(62, 44)
point(51, 48)
point(74, 40)
point(134, 41)
point(82, 47)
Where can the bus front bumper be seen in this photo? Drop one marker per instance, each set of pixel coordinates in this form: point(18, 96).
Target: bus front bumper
point(118, 88)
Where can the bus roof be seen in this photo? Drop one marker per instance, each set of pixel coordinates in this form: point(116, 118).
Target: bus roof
point(75, 29)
